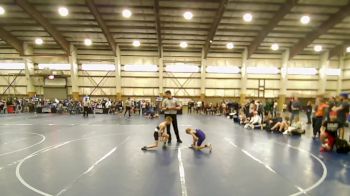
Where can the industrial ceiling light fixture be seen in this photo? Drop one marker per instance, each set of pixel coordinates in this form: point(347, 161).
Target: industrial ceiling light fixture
point(12, 66)
point(136, 43)
point(188, 15)
point(63, 11)
point(318, 48)
point(348, 49)
point(230, 45)
point(87, 42)
point(223, 69)
point(263, 70)
point(333, 72)
point(275, 47)
point(39, 41)
point(140, 68)
point(55, 66)
point(183, 44)
point(126, 13)
point(305, 19)
point(181, 68)
point(2, 10)
point(98, 67)
point(247, 17)
point(301, 71)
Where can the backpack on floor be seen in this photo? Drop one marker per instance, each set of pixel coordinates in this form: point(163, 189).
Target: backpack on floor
point(342, 146)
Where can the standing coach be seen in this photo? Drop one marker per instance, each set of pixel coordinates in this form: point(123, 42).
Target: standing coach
point(170, 106)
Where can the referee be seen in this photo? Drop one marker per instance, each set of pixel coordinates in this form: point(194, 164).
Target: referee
point(170, 106)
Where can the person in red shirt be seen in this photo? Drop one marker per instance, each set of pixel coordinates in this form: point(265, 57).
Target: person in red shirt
point(329, 131)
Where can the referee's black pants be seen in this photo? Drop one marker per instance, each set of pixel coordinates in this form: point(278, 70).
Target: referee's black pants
point(176, 130)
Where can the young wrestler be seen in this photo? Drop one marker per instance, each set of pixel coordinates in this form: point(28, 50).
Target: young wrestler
point(160, 134)
point(198, 138)
point(329, 131)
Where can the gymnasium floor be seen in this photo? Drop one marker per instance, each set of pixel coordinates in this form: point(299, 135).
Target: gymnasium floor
point(67, 155)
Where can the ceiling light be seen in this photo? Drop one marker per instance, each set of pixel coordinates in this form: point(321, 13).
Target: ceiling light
point(248, 17)
point(188, 15)
point(2, 11)
point(183, 44)
point(136, 43)
point(98, 67)
point(54, 66)
point(263, 70)
point(182, 68)
point(230, 45)
point(39, 41)
point(87, 42)
point(301, 71)
point(126, 13)
point(275, 47)
point(211, 41)
point(63, 11)
point(333, 72)
point(12, 66)
point(51, 77)
point(348, 49)
point(141, 68)
point(318, 48)
point(305, 19)
point(223, 69)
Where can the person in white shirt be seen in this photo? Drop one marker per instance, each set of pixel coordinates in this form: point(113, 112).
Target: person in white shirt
point(255, 120)
point(86, 105)
point(295, 128)
point(127, 107)
point(170, 106)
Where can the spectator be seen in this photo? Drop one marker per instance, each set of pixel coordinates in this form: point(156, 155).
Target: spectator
point(329, 132)
point(281, 126)
point(342, 111)
point(296, 127)
point(295, 108)
point(308, 110)
point(254, 121)
point(127, 107)
point(320, 114)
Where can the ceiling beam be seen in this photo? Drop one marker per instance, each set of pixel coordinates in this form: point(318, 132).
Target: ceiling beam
point(36, 15)
point(158, 27)
point(281, 13)
point(214, 26)
point(11, 40)
point(338, 50)
point(102, 25)
point(322, 29)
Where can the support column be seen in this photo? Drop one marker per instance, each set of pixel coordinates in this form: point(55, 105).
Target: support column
point(74, 72)
point(118, 80)
point(161, 72)
point(341, 76)
point(322, 74)
point(284, 80)
point(243, 93)
point(29, 69)
point(203, 68)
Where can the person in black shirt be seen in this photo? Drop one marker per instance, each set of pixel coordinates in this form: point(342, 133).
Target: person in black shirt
point(295, 108)
point(308, 112)
point(342, 111)
point(329, 132)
